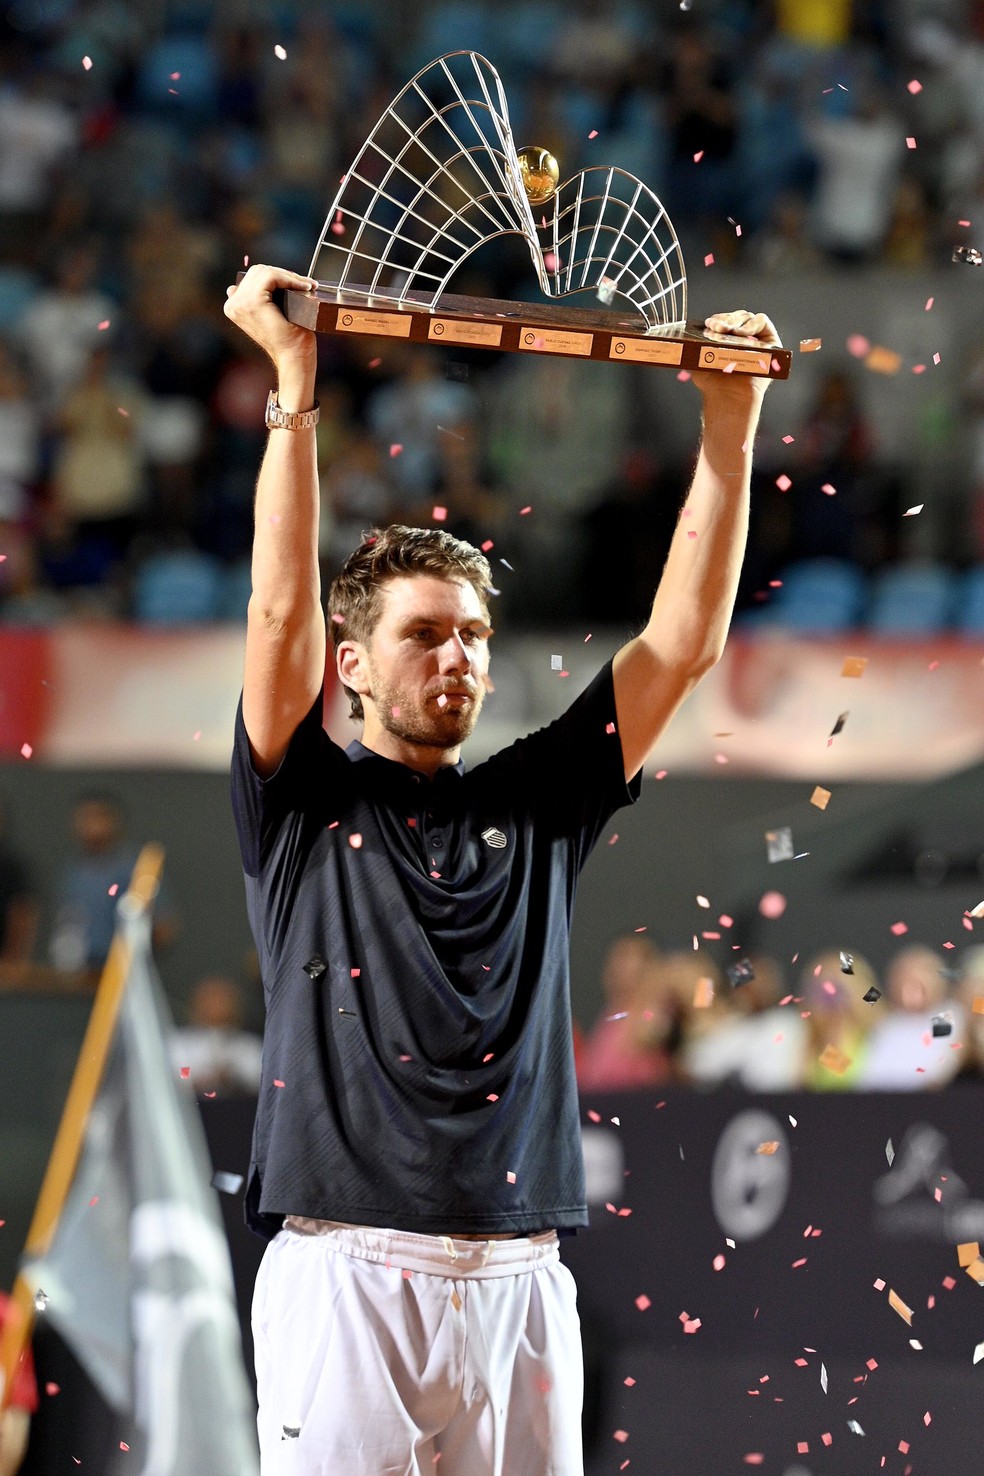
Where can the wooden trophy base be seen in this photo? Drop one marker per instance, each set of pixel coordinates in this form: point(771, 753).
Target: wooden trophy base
point(530, 328)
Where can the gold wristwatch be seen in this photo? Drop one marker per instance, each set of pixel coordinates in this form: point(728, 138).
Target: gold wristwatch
point(277, 419)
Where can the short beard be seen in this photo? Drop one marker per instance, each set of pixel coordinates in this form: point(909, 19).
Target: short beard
point(444, 728)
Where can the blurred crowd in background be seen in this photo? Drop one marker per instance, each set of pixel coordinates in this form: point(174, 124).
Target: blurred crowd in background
point(825, 1023)
point(149, 149)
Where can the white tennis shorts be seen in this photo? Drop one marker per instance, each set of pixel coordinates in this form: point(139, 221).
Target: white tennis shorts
point(381, 1353)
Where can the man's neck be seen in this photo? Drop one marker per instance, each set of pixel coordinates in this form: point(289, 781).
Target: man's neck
point(417, 756)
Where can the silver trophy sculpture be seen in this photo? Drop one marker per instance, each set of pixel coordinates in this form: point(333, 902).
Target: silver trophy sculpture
point(439, 177)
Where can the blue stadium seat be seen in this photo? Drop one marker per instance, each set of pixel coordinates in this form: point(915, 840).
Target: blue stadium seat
point(970, 603)
point(177, 589)
point(235, 590)
point(913, 600)
point(819, 597)
point(194, 91)
point(18, 288)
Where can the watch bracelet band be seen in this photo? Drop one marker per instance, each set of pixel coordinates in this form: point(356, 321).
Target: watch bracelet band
point(279, 419)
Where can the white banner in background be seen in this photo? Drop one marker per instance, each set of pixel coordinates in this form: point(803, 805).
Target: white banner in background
point(120, 697)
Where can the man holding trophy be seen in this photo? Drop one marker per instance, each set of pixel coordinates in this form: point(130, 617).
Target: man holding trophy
point(417, 1151)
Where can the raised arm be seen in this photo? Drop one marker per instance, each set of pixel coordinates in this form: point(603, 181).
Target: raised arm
point(285, 632)
point(691, 612)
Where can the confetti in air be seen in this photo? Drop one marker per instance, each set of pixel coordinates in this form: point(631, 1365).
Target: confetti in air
point(967, 255)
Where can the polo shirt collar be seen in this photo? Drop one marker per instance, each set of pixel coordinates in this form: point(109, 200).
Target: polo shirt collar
point(401, 773)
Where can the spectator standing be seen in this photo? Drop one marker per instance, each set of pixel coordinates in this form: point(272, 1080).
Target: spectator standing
point(61, 326)
point(860, 158)
point(627, 1047)
point(90, 884)
point(217, 1053)
point(904, 1052)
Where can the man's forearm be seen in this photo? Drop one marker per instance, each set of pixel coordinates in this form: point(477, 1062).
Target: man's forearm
point(286, 578)
point(694, 602)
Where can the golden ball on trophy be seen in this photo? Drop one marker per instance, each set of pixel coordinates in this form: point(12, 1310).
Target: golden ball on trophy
point(539, 172)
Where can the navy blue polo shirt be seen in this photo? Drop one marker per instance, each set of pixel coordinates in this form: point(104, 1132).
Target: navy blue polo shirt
point(414, 939)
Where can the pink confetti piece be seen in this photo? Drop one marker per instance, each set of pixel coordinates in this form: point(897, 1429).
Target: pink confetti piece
point(175, 76)
point(698, 156)
point(754, 1458)
point(709, 259)
point(374, 363)
point(788, 440)
point(593, 133)
point(355, 973)
point(620, 1435)
point(899, 928)
point(277, 1082)
point(692, 1325)
point(185, 1072)
point(396, 448)
point(827, 1438)
point(936, 358)
point(280, 53)
point(439, 514)
point(114, 889)
point(643, 1302)
point(524, 510)
point(87, 63)
point(123, 1445)
point(683, 375)
point(858, 345)
point(783, 483)
point(910, 143)
point(609, 727)
point(919, 368)
point(510, 1177)
point(26, 750)
point(927, 1418)
point(914, 87)
point(196, 736)
point(104, 325)
point(355, 841)
point(719, 1262)
point(51, 1388)
point(929, 304)
point(492, 1097)
point(629, 1382)
point(772, 905)
point(904, 1447)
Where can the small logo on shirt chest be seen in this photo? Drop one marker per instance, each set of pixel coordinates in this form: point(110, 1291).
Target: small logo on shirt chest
point(494, 838)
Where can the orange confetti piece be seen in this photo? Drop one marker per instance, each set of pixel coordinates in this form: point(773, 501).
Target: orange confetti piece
point(968, 1252)
point(978, 1005)
point(883, 360)
point(767, 1150)
point(810, 345)
point(854, 666)
point(820, 797)
point(897, 1305)
point(703, 994)
point(832, 1058)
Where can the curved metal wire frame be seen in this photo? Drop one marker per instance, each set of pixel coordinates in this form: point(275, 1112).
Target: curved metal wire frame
point(419, 200)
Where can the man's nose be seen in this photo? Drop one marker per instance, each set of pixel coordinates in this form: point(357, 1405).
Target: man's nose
point(455, 655)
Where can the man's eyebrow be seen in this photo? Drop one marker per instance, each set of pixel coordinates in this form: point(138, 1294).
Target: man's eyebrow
point(478, 622)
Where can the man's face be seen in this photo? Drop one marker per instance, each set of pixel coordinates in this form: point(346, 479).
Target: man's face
point(428, 660)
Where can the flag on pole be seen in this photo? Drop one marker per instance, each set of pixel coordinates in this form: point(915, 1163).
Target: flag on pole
point(127, 1257)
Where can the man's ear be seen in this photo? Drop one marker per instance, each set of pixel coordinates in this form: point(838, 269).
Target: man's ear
point(352, 667)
